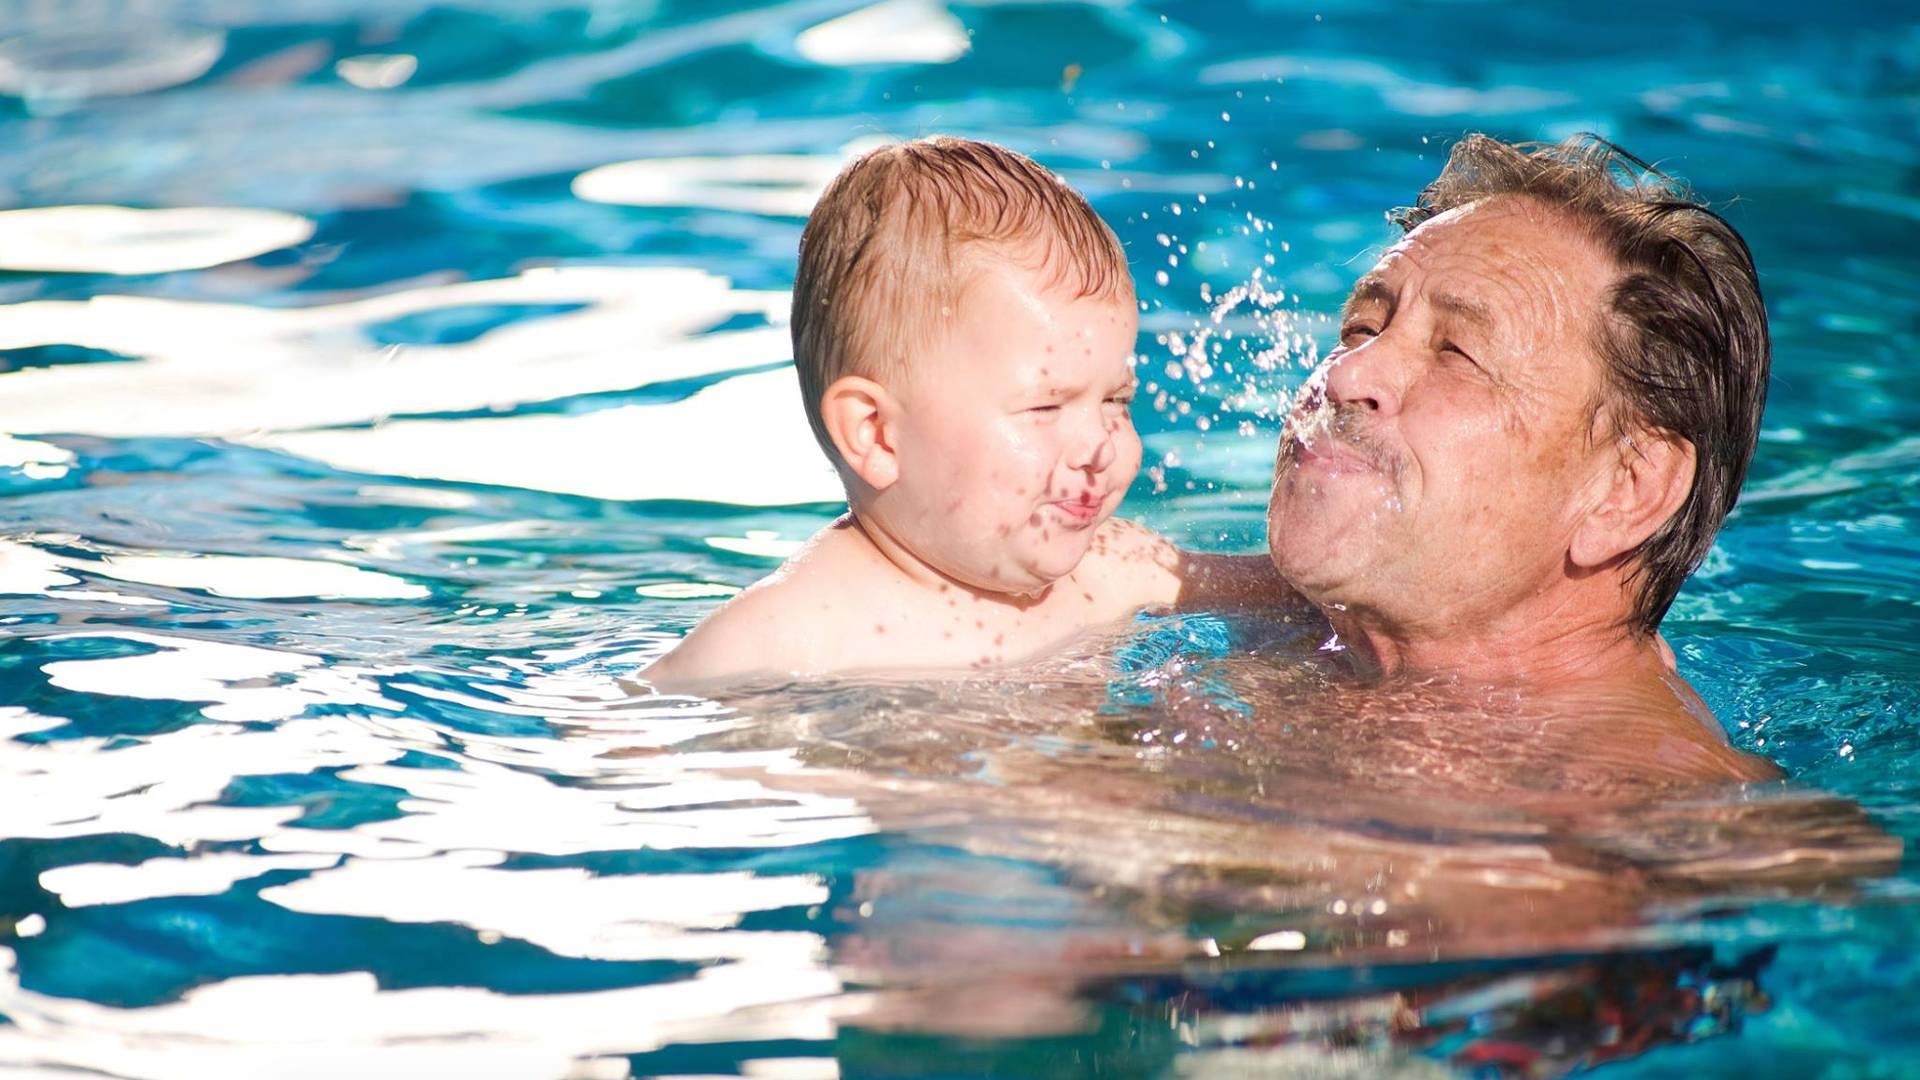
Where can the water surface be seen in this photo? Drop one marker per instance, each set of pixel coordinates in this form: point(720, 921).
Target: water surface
point(452, 386)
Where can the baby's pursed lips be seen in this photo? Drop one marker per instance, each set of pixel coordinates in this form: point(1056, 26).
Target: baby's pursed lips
point(1082, 507)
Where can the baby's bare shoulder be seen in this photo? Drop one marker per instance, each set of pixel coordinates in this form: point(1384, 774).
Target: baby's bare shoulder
point(768, 629)
point(1129, 543)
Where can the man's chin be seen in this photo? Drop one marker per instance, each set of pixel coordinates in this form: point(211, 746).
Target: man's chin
point(1320, 555)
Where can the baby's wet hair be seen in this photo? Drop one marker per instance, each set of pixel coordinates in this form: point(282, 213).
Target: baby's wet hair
point(883, 259)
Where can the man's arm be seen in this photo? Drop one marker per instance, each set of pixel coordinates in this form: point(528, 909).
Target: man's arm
point(1139, 568)
point(1217, 582)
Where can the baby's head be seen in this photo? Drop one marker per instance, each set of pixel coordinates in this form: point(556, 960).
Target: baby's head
point(963, 324)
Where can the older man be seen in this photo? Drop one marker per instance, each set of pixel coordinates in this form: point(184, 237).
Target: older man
point(1541, 408)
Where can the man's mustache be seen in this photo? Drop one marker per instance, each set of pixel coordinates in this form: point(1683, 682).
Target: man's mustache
point(1352, 427)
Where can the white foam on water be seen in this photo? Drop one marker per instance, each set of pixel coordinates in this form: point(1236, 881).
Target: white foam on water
point(504, 800)
point(16, 721)
point(240, 682)
point(602, 787)
point(890, 32)
point(760, 543)
point(165, 786)
point(778, 185)
point(26, 570)
point(124, 240)
point(321, 1027)
point(377, 71)
point(85, 884)
point(685, 590)
point(15, 453)
point(790, 1068)
point(260, 577)
point(623, 917)
point(215, 369)
point(743, 441)
point(392, 546)
point(598, 789)
point(414, 495)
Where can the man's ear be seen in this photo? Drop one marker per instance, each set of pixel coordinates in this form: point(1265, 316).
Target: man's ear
point(859, 416)
point(1638, 492)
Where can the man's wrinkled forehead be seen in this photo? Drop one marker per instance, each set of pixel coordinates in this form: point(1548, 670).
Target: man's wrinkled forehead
point(1437, 236)
point(1493, 262)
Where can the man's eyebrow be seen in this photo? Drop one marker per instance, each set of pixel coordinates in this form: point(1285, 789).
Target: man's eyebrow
point(1371, 288)
point(1465, 309)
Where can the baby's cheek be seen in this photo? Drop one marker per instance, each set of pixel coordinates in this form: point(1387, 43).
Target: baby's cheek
point(1127, 453)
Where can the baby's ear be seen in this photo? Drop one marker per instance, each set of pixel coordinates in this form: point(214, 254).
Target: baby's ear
point(858, 414)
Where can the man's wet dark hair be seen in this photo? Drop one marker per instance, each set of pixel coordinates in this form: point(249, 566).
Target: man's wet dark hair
point(1684, 335)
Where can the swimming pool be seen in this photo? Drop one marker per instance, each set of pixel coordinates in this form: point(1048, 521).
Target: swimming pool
point(331, 514)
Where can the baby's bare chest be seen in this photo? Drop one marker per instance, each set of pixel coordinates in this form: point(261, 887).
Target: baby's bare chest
point(951, 628)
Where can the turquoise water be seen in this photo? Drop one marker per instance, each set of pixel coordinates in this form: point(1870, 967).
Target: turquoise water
point(332, 515)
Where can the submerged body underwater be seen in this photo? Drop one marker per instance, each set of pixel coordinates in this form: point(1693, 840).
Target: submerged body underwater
point(436, 380)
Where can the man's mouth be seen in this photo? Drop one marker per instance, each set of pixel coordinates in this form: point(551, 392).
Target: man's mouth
point(1333, 442)
point(1331, 455)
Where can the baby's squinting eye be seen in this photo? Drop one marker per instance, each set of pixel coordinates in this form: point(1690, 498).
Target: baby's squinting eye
point(1044, 409)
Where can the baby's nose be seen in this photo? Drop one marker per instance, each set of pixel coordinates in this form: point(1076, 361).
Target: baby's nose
point(1103, 456)
point(1095, 455)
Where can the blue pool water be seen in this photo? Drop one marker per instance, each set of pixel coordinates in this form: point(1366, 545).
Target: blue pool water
point(332, 514)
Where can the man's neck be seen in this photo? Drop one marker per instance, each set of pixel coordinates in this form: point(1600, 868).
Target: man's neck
point(1544, 643)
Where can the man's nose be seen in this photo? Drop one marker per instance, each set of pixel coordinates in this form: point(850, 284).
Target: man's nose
point(1366, 376)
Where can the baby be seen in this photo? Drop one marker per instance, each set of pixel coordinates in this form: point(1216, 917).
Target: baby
point(963, 326)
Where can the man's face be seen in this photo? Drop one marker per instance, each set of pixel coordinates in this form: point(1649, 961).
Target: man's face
point(1432, 466)
point(1015, 441)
